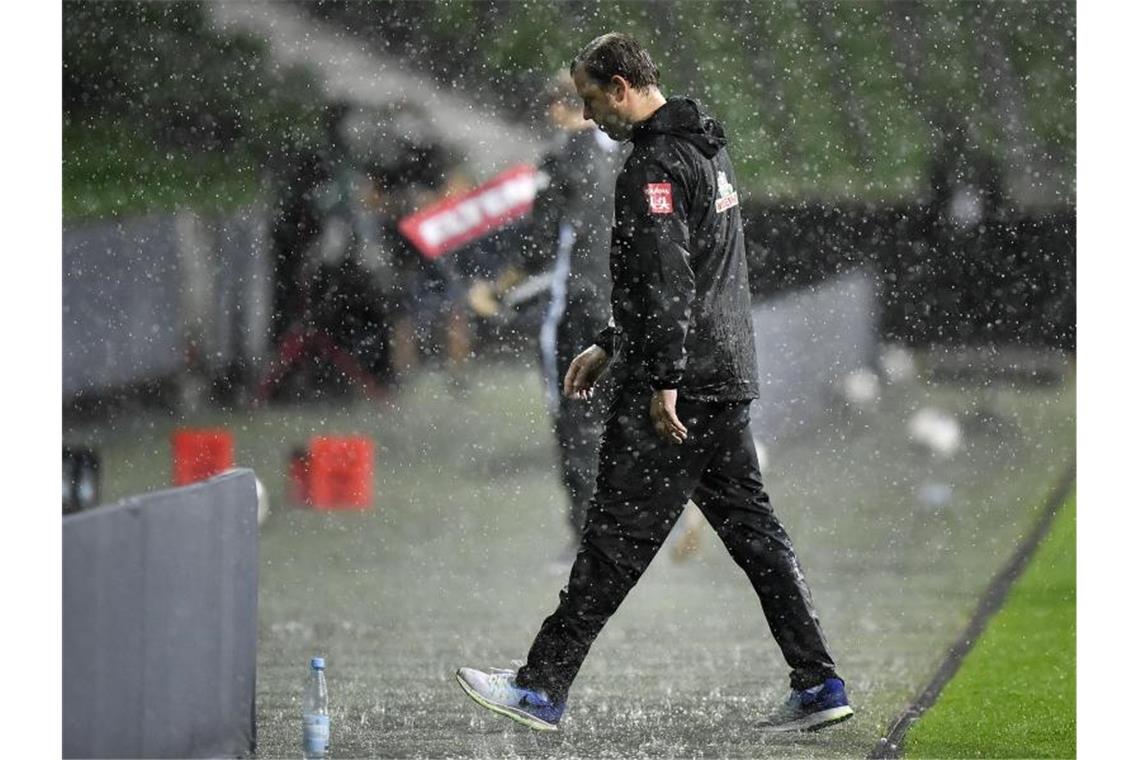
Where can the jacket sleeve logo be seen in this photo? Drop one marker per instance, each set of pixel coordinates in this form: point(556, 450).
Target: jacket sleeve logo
point(660, 197)
point(726, 192)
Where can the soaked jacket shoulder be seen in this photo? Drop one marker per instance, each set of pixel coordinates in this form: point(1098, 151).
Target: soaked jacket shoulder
point(681, 302)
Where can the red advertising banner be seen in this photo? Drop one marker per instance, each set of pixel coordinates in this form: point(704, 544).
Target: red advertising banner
point(445, 226)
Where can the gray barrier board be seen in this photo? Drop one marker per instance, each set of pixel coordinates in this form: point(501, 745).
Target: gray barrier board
point(160, 623)
point(807, 341)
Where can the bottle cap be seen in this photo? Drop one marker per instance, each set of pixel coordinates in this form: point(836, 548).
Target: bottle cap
point(317, 663)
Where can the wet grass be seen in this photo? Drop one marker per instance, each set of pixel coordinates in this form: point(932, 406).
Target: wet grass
point(1015, 695)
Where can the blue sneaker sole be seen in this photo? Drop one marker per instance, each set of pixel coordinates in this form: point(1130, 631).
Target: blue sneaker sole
point(815, 721)
point(515, 714)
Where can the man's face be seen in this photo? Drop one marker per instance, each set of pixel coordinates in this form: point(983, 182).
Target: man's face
point(604, 106)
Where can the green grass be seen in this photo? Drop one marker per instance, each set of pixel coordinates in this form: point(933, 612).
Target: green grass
point(1015, 695)
point(109, 169)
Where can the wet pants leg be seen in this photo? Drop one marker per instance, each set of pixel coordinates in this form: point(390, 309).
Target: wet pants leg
point(578, 422)
point(643, 485)
point(732, 497)
point(577, 426)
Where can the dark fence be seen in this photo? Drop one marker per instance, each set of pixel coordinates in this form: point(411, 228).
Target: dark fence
point(152, 298)
point(1008, 280)
point(160, 623)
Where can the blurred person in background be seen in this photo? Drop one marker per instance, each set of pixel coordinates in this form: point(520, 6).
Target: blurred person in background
point(569, 236)
point(966, 182)
point(330, 268)
point(426, 297)
point(298, 220)
point(685, 366)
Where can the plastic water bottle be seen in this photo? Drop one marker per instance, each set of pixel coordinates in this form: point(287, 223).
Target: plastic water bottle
point(316, 711)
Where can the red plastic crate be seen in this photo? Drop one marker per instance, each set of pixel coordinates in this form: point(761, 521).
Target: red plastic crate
point(340, 472)
point(200, 453)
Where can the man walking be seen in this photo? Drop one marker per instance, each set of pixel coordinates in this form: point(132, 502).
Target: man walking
point(684, 366)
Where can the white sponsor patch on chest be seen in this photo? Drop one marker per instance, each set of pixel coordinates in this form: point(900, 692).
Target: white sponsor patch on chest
point(726, 194)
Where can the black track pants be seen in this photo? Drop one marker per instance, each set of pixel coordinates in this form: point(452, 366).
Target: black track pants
point(577, 422)
point(643, 485)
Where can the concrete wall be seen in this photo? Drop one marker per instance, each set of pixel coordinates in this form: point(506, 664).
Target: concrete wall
point(806, 342)
point(120, 303)
point(138, 292)
point(160, 623)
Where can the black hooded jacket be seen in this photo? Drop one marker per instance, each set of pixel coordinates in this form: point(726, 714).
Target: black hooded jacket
point(682, 309)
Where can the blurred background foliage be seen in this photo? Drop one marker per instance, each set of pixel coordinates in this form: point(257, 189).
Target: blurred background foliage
point(823, 100)
point(160, 110)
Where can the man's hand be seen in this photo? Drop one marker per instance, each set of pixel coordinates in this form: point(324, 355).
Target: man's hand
point(663, 413)
point(584, 371)
point(483, 299)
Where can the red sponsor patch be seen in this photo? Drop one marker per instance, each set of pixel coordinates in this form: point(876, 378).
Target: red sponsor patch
point(660, 197)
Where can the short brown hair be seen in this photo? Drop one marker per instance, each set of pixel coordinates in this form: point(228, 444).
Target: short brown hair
point(617, 54)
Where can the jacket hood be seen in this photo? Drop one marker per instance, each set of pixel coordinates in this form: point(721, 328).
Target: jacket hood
point(681, 117)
